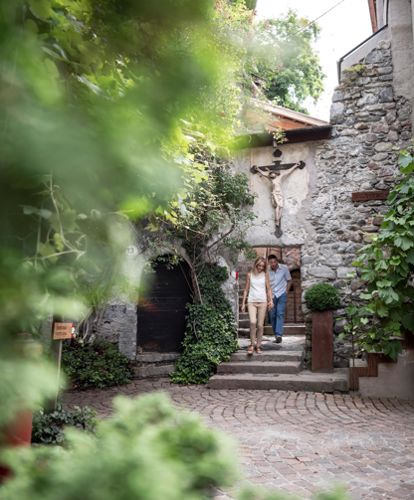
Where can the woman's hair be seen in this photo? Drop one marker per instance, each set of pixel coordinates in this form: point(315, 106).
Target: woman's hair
point(259, 259)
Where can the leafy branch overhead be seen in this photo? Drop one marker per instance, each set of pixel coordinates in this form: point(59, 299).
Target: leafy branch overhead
point(285, 65)
point(94, 96)
point(210, 215)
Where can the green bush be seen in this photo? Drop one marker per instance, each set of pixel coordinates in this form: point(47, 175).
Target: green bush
point(322, 297)
point(147, 450)
point(48, 428)
point(99, 365)
point(210, 335)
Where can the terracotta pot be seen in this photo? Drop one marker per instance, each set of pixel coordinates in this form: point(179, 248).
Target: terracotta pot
point(322, 341)
point(18, 433)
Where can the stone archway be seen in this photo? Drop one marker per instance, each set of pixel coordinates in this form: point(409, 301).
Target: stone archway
point(161, 310)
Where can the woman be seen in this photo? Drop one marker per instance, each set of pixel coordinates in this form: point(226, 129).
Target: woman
point(259, 297)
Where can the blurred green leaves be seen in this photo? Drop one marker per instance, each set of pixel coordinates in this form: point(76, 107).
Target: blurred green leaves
point(97, 98)
point(147, 450)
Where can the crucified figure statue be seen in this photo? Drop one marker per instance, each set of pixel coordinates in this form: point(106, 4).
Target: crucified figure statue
point(276, 178)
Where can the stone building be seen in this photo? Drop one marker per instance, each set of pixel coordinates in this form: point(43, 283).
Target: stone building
point(334, 199)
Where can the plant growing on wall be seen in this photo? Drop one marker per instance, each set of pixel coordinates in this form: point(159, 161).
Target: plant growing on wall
point(209, 219)
point(210, 336)
point(210, 216)
point(386, 265)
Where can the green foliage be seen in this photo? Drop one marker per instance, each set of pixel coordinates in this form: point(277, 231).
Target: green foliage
point(275, 58)
point(26, 381)
point(98, 364)
point(95, 98)
point(48, 427)
point(212, 213)
point(387, 266)
point(210, 336)
point(288, 70)
point(144, 441)
point(322, 297)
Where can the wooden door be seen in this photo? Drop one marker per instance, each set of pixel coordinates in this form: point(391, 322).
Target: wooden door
point(294, 307)
point(162, 310)
point(289, 256)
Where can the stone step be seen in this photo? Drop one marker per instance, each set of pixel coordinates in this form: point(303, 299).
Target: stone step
point(290, 329)
point(274, 355)
point(245, 332)
point(257, 365)
point(303, 381)
point(293, 328)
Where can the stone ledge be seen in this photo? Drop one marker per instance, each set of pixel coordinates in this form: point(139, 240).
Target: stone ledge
point(153, 371)
point(156, 357)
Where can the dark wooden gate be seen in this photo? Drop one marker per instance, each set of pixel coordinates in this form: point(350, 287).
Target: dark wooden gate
point(294, 306)
point(162, 310)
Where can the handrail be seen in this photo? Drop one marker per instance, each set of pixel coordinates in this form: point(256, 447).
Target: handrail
point(339, 63)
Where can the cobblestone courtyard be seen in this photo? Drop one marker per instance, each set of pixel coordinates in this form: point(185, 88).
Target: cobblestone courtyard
point(300, 442)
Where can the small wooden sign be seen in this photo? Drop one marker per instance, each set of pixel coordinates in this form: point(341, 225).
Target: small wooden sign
point(370, 195)
point(62, 331)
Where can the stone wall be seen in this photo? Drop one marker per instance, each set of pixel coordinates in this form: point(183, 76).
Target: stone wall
point(118, 324)
point(371, 123)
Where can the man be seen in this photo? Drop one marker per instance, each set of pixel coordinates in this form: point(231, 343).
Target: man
point(280, 283)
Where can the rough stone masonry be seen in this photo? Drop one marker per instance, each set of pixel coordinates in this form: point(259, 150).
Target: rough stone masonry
point(370, 125)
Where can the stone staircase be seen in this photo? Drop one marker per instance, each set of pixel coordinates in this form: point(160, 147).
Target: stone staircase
point(278, 367)
point(243, 326)
point(289, 329)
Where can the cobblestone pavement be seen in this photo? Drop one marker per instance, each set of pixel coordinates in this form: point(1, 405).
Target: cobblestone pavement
point(300, 442)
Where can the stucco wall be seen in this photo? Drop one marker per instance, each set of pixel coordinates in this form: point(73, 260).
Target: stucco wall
point(296, 189)
point(401, 35)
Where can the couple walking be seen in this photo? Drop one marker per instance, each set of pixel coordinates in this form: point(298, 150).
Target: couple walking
point(266, 290)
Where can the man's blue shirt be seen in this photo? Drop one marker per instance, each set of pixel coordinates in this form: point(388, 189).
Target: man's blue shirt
point(279, 279)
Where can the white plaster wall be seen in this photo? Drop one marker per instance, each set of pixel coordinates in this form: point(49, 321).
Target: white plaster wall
point(296, 190)
point(395, 380)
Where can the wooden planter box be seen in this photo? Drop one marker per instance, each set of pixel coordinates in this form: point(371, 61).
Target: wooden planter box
point(322, 341)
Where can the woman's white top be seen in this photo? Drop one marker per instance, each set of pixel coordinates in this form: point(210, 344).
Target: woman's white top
point(257, 290)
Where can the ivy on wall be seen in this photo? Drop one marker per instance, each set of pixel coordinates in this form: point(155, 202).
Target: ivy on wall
point(386, 265)
point(210, 336)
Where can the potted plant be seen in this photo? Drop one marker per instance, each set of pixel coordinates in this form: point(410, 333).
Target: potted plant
point(322, 299)
point(23, 363)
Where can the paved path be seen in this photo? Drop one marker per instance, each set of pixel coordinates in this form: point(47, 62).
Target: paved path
point(301, 442)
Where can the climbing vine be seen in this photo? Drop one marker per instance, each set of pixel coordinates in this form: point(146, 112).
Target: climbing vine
point(210, 336)
point(386, 265)
point(207, 220)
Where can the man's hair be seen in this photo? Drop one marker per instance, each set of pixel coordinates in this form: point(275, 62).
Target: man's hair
point(272, 256)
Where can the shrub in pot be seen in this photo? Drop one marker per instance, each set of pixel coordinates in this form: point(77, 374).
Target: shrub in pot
point(321, 299)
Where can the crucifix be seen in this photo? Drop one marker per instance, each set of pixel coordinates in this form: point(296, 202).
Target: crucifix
point(276, 173)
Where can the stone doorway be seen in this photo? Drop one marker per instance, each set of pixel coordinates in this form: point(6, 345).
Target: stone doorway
point(162, 308)
point(291, 257)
